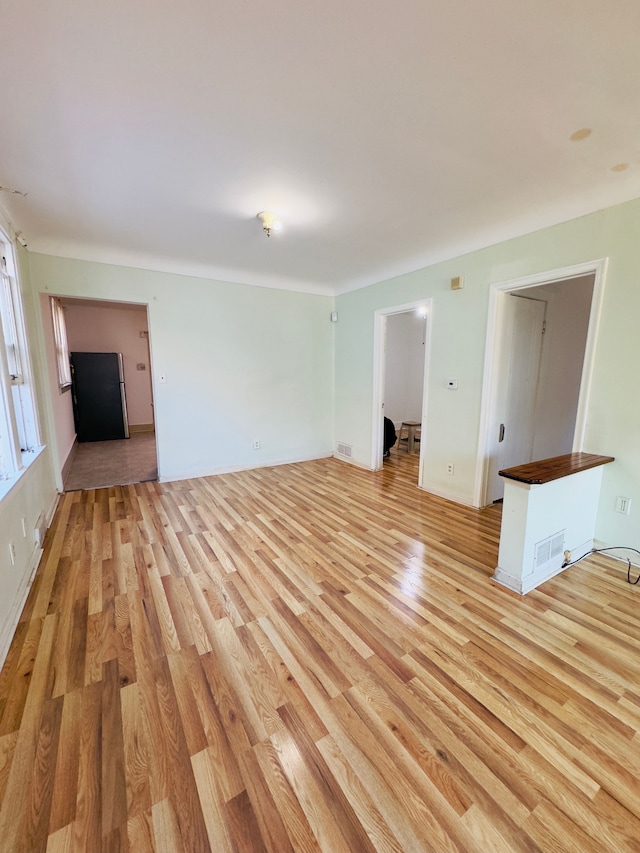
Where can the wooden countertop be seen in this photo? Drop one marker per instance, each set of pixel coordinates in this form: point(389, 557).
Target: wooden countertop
point(553, 469)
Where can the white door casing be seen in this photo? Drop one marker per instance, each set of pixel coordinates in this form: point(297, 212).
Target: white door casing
point(489, 392)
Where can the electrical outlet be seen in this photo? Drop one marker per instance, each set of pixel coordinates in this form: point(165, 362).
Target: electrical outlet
point(256, 445)
point(12, 553)
point(623, 505)
point(450, 468)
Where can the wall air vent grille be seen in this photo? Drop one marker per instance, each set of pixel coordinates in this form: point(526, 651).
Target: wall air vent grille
point(345, 450)
point(547, 551)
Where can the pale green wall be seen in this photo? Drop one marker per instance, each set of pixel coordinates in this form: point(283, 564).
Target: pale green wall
point(242, 364)
point(458, 326)
point(245, 363)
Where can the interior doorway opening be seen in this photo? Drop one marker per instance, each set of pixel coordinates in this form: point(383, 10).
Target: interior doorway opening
point(401, 337)
point(105, 426)
point(538, 366)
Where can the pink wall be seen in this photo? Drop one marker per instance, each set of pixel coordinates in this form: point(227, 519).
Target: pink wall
point(102, 328)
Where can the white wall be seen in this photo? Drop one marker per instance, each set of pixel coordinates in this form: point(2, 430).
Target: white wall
point(457, 347)
point(404, 367)
point(116, 328)
point(241, 364)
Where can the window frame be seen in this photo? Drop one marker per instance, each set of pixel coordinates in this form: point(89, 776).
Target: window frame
point(61, 343)
point(11, 338)
point(19, 423)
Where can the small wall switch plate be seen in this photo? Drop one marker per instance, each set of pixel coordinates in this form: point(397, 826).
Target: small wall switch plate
point(452, 384)
point(162, 377)
point(334, 316)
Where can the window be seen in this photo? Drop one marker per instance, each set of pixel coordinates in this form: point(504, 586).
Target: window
point(18, 421)
point(62, 346)
point(9, 327)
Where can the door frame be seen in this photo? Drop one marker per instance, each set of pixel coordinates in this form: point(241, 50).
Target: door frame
point(518, 335)
point(47, 355)
point(379, 361)
point(497, 292)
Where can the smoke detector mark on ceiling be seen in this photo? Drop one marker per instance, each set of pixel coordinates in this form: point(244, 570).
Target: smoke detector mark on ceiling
point(581, 134)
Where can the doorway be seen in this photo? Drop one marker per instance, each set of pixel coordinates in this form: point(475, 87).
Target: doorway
point(103, 329)
point(401, 337)
point(538, 365)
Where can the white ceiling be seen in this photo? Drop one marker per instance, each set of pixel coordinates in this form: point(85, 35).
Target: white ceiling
point(387, 136)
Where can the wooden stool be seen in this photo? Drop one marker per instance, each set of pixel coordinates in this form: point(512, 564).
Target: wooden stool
point(412, 429)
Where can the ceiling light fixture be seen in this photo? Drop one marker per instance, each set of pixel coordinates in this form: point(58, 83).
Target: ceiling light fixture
point(270, 222)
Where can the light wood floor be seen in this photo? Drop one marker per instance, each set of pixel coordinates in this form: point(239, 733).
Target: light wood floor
point(313, 658)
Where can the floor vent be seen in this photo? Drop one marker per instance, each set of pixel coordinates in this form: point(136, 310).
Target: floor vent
point(345, 450)
point(548, 550)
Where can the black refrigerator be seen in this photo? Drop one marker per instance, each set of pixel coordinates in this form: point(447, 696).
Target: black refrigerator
point(99, 402)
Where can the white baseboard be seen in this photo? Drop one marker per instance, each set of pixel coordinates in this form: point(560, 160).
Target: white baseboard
point(454, 497)
point(67, 463)
point(533, 580)
point(232, 469)
point(13, 617)
point(51, 511)
point(621, 553)
point(350, 461)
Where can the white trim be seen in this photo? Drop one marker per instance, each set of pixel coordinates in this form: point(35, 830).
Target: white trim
point(13, 616)
point(598, 269)
point(52, 508)
point(15, 477)
point(523, 585)
point(635, 559)
point(133, 260)
point(379, 341)
point(351, 461)
point(232, 469)
point(454, 497)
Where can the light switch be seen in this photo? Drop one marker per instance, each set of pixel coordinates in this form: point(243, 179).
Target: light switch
point(452, 384)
